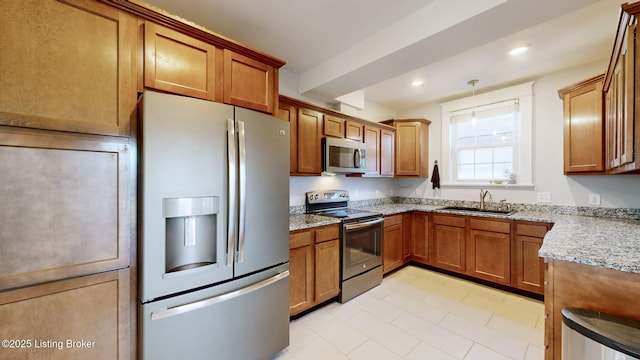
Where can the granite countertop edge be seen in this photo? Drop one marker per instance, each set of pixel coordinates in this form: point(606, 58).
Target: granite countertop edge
point(602, 242)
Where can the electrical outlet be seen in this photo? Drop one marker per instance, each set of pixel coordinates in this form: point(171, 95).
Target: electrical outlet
point(543, 197)
point(594, 199)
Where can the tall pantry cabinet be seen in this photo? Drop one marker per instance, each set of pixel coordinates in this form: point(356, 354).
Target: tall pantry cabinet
point(68, 79)
point(70, 73)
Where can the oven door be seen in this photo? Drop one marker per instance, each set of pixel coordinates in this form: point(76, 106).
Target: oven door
point(361, 246)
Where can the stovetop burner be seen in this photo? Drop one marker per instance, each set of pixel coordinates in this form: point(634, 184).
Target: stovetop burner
point(334, 203)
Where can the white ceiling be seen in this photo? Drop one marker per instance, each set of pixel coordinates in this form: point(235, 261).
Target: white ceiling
point(380, 46)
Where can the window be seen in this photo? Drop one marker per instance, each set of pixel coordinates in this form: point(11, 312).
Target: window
point(487, 138)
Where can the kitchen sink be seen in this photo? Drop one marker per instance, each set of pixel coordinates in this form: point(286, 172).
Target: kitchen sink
point(477, 210)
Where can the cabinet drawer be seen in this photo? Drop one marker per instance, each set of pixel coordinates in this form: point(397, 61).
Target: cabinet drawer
point(300, 239)
point(490, 225)
point(457, 221)
point(535, 230)
point(392, 220)
point(327, 233)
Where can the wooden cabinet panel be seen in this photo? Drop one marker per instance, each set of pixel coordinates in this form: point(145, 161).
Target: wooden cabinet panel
point(249, 83)
point(314, 267)
point(65, 206)
point(74, 64)
point(448, 251)
point(387, 152)
point(411, 147)
point(333, 126)
point(392, 245)
point(327, 270)
point(529, 267)
point(301, 277)
point(584, 127)
point(407, 241)
point(94, 309)
point(309, 151)
point(420, 237)
point(180, 64)
point(354, 131)
point(489, 256)
point(290, 113)
point(372, 147)
point(588, 287)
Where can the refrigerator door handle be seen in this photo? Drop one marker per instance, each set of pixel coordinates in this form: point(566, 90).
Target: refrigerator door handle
point(242, 180)
point(181, 309)
point(231, 151)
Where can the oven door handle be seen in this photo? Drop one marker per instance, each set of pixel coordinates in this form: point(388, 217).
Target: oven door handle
point(348, 227)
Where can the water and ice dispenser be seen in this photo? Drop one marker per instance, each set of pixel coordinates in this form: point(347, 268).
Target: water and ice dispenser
point(190, 232)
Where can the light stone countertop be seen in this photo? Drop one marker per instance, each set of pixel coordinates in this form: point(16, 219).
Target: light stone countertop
point(596, 241)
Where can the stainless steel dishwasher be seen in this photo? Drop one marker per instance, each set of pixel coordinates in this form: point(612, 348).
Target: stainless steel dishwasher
point(589, 335)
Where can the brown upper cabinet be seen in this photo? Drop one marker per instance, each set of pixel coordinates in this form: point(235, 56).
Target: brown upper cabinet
point(411, 147)
point(249, 83)
point(180, 64)
point(354, 131)
point(583, 126)
point(621, 113)
point(333, 126)
point(310, 122)
point(73, 62)
point(601, 126)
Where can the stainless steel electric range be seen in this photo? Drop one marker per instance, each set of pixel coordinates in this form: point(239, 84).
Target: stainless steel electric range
point(360, 241)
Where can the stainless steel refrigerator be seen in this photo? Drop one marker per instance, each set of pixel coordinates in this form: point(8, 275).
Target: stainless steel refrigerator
point(213, 233)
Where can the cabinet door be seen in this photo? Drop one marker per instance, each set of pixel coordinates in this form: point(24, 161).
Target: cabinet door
point(387, 153)
point(420, 237)
point(68, 65)
point(372, 144)
point(392, 250)
point(248, 82)
point(353, 131)
point(309, 151)
point(583, 129)
point(65, 207)
point(407, 241)
point(333, 126)
point(407, 149)
point(93, 312)
point(529, 266)
point(327, 270)
point(301, 274)
point(489, 256)
point(448, 245)
point(180, 64)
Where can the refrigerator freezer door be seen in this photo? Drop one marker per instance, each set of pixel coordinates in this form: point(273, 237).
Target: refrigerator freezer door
point(264, 191)
point(183, 161)
point(242, 319)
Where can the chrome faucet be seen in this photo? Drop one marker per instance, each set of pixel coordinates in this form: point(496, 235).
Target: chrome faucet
point(483, 201)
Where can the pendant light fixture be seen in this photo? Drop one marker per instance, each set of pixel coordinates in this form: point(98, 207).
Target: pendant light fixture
point(473, 87)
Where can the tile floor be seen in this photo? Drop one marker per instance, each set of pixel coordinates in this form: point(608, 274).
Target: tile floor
point(419, 314)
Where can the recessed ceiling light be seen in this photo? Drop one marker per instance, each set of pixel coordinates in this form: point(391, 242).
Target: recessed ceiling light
point(519, 50)
point(416, 83)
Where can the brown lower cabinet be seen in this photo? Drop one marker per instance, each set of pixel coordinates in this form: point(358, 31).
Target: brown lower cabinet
point(589, 287)
point(448, 242)
point(392, 244)
point(501, 251)
point(314, 267)
point(488, 250)
point(80, 318)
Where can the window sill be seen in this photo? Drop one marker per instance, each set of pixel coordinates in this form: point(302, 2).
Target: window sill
point(490, 186)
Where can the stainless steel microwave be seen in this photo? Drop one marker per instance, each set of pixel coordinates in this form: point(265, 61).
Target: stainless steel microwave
point(343, 156)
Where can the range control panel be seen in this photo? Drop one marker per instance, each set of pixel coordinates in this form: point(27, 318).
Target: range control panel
point(327, 196)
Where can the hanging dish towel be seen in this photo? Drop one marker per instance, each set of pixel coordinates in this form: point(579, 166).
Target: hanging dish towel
point(435, 178)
